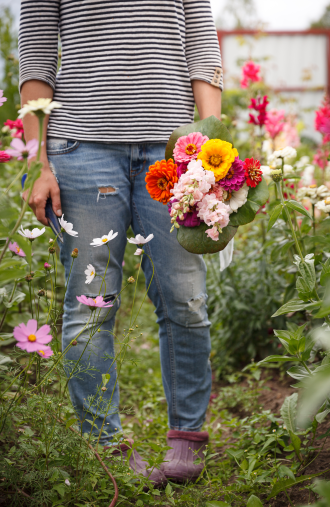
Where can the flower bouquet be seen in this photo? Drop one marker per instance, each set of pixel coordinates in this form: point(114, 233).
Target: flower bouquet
point(209, 191)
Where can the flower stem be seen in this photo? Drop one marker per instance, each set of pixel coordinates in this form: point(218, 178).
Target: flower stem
point(290, 222)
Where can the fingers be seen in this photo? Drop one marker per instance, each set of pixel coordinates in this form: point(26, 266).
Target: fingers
point(39, 203)
point(56, 200)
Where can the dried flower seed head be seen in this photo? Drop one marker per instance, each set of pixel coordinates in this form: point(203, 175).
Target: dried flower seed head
point(131, 280)
point(74, 253)
point(41, 293)
point(51, 250)
point(29, 277)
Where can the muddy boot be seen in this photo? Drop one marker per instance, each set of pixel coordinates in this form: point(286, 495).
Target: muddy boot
point(137, 464)
point(178, 463)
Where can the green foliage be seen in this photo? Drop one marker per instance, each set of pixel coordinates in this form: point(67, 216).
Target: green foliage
point(195, 240)
point(9, 79)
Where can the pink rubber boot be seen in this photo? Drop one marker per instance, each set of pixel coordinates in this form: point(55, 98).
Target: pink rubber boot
point(178, 464)
point(137, 464)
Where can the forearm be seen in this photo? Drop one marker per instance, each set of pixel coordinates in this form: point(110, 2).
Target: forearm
point(33, 90)
point(207, 98)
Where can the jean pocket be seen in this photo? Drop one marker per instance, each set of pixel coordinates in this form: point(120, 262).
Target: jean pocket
point(59, 146)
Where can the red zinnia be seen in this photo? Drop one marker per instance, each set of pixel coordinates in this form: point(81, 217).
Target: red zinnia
point(4, 157)
point(253, 174)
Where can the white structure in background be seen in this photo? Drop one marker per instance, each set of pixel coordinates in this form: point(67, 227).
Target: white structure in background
point(294, 63)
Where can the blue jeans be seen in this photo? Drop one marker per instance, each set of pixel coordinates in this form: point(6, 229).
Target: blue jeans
point(178, 289)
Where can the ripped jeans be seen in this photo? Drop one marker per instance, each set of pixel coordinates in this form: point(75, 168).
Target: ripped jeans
point(177, 291)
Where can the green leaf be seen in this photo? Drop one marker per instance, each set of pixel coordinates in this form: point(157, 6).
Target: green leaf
point(60, 489)
point(210, 127)
point(325, 273)
point(296, 305)
point(297, 206)
point(289, 412)
point(215, 503)
point(303, 289)
point(254, 501)
point(287, 483)
point(11, 274)
point(296, 442)
point(283, 470)
point(33, 173)
point(278, 359)
point(168, 490)
point(9, 213)
point(195, 239)
point(257, 197)
point(70, 422)
point(105, 378)
point(322, 415)
point(274, 216)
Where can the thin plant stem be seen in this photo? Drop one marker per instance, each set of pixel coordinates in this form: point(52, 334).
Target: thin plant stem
point(6, 310)
point(290, 222)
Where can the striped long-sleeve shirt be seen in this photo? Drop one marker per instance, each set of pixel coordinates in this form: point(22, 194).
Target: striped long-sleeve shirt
point(126, 65)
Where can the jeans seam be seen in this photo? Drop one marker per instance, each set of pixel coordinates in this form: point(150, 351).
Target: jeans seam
point(184, 428)
point(168, 327)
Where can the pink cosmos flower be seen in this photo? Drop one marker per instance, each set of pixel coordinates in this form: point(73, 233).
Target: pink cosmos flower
point(45, 352)
point(4, 157)
point(187, 147)
point(16, 127)
point(250, 74)
point(31, 339)
point(98, 302)
point(235, 178)
point(20, 150)
point(275, 122)
point(13, 247)
point(2, 98)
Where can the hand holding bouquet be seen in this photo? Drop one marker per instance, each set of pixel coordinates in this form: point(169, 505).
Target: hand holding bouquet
point(206, 186)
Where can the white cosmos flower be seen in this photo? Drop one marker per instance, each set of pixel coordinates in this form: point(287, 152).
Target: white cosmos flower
point(140, 240)
point(90, 273)
point(104, 240)
point(324, 205)
point(138, 251)
point(237, 199)
point(44, 106)
point(67, 226)
point(35, 233)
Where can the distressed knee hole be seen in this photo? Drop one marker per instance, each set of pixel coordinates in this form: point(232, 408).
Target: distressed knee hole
point(104, 191)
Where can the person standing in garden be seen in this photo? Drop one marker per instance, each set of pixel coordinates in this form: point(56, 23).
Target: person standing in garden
point(131, 72)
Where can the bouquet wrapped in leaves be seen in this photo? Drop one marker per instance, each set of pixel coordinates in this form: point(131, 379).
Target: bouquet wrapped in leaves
point(209, 191)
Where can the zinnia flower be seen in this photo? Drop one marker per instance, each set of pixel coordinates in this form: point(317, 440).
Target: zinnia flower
point(237, 199)
point(140, 240)
point(250, 74)
point(98, 302)
point(161, 179)
point(274, 123)
point(4, 157)
point(104, 240)
point(31, 339)
point(13, 247)
point(2, 98)
point(253, 173)
point(90, 273)
point(35, 233)
point(217, 156)
point(181, 168)
point(16, 127)
point(287, 153)
point(20, 150)
point(324, 205)
point(38, 107)
point(67, 227)
point(235, 177)
point(187, 147)
point(259, 104)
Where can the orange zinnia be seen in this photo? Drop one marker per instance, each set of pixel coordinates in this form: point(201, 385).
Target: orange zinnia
point(160, 180)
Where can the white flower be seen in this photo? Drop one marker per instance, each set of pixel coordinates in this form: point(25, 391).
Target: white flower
point(313, 193)
point(324, 205)
point(44, 106)
point(287, 153)
point(104, 239)
point(35, 233)
point(90, 273)
point(302, 162)
point(307, 175)
point(67, 226)
point(267, 147)
point(140, 240)
point(237, 199)
point(265, 170)
point(138, 251)
point(67, 482)
point(287, 169)
point(274, 161)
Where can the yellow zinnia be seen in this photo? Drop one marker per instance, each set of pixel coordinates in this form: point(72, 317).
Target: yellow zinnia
point(217, 156)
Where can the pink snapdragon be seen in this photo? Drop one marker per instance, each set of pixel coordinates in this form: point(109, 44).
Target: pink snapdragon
point(94, 303)
point(21, 151)
point(16, 128)
point(13, 247)
point(274, 123)
point(250, 74)
point(187, 147)
point(2, 98)
point(213, 213)
point(32, 339)
point(322, 118)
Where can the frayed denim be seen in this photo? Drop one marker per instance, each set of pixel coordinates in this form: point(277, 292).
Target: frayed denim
point(178, 289)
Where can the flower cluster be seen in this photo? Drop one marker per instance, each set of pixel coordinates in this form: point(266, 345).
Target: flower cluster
point(322, 118)
point(210, 183)
point(250, 74)
point(259, 105)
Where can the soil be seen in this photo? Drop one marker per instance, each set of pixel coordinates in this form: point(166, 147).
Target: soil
point(272, 399)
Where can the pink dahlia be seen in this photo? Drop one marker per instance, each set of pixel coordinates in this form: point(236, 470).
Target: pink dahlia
point(32, 339)
point(187, 147)
point(98, 302)
point(235, 177)
point(250, 74)
point(13, 247)
point(275, 122)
